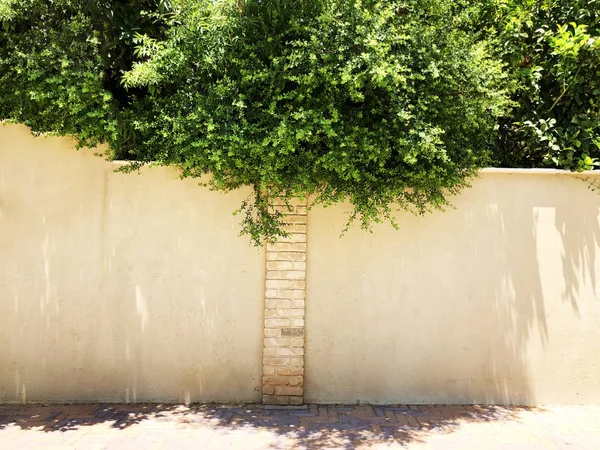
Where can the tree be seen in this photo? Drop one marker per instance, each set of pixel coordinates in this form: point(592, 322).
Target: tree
point(552, 51)
point(384, 103)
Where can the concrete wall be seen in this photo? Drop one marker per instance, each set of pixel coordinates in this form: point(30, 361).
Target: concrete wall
point(496, 301)
point(124, 287)
point(121, 287)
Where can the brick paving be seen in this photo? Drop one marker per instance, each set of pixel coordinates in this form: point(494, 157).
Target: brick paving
point(140, 426)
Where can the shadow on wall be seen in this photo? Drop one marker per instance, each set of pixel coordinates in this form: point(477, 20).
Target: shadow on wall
point(528, 224)
point(581, 239)
point(121, 287)
point(492, 302)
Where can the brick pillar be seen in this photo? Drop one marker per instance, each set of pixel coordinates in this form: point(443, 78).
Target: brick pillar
point(283, 352)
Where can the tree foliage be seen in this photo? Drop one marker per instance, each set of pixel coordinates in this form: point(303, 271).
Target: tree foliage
point(389, 103)
point(337, 99)
point(552, 50)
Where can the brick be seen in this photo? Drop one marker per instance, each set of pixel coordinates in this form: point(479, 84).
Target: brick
point(268, 390)
point(296, 400)
point(294, 228)
point(294, 237)
point(270, 370)
point(290, 312)
point(295, 381)
point(277, 380)
point(292, 332)
point(284, 209)
point(286, 294)
point(279, 284)
point(283, 370)
point(287, 247)
point(271, 293)
point(272, 332)
point(281, 247)
point(277, 342)
point(279, 303)
point(290, 351)
point(289, 390)
point(293, 274)
point(293, 218)
point(286, 275)
point(276, 400)
point(280, 265)
point(285, 309)
point(277, 323)
point(269, 352)
point(297, 294)
point(286, 256)
point(285, 284)
point(286, 265)
point(293, 201)
point(297, 342)
point(271, 313)
point(293, 361)
point(274, 275)
point(279, 201)
point(278, 362)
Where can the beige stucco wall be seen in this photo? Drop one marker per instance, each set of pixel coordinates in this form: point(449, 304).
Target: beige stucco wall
point(495, 301)
point(125, 287)
point(121, 287)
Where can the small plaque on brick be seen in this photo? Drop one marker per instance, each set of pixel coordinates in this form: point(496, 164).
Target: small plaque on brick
point(292, 332)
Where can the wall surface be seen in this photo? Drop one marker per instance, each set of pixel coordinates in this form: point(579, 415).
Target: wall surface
point(495, 301)
point(125, 287)
point(121, 287)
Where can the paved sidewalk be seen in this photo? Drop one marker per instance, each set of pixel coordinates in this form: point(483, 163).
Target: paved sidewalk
point(319, 427)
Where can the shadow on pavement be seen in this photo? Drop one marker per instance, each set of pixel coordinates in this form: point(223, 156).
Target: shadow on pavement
point(343, 426)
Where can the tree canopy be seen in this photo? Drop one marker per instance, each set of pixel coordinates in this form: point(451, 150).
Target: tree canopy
point(552, 49)
point(388, 104)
